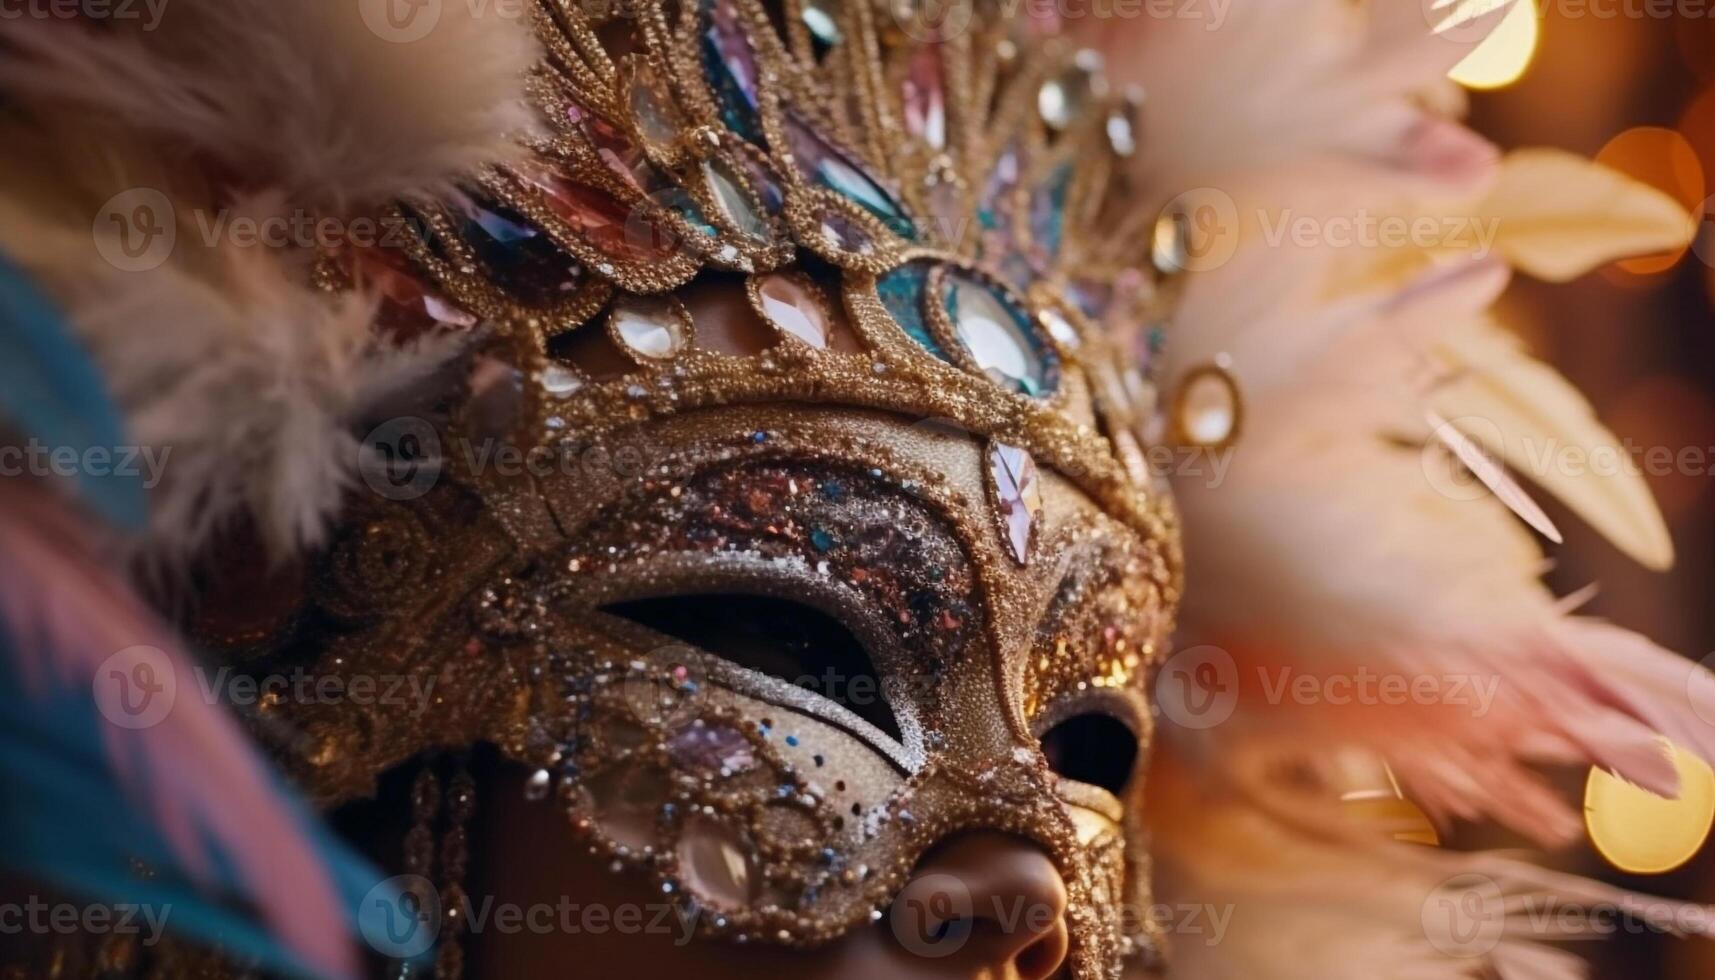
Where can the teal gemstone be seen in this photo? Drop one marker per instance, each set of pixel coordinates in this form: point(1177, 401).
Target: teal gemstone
point(903, 291)
point(1048, 210)
point(729, 60)
point(837, 170)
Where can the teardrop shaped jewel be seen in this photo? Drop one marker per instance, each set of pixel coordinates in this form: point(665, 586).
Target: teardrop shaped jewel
point(832, 167)
point(717, 864)
point(734, 202)
point(408, 305)
point(652, 107)
point(1018, 494)
point(1206, 410)
point(608, 224)
point(843, 233)
point(623, 157)
point(791, 309)
point(819, 17)
point(998, 335)
point(903, 291)
point(650, 327)
point(517, 255)
point(730, 62)
point(925, 97)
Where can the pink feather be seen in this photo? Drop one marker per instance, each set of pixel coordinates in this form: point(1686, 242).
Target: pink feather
point(194, 772)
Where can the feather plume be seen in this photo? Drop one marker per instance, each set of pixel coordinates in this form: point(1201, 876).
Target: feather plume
point(97, 789)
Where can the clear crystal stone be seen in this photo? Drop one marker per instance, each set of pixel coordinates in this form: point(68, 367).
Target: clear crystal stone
point(791, 309)
point(1208, 408)
point(717, 864)
point(734, 202)
point(1018, 494)
point(651, 107)
point(561, 381)
point(996, 334)
point(1061, 329)
point(649, 327)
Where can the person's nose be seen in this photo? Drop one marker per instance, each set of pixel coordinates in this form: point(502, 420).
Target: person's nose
point(988, 901)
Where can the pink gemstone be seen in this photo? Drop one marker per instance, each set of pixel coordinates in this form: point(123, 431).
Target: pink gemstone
point(408, 306)
point(712, 749)
point(609, 224)
point(1018, 493)
point(622, 156)
point(792, 310)
point(925, 97)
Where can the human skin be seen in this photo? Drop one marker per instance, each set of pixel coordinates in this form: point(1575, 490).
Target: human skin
point(531, 859)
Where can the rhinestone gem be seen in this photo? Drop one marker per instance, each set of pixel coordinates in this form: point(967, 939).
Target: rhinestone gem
point(1019, 493)
point(717, 864)
point(649, 327)
point(845, 234)
point(791, 309)
point(818, 16)
point(1061, 329)
point(731, 63)
point(833, 168)
point(603, 220)
point(652, 107)
point(925, 97)
point(734, 202)
point(712, 749)
point(1208, 408)
point(561, 381)
point(997, 334)
point(517, 255)
point(623, 157)
point(902, 291)
point(408, 305)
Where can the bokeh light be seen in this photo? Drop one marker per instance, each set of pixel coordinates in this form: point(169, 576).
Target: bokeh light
point(1503, 56)
point(1642, 833)
point(1665, 160)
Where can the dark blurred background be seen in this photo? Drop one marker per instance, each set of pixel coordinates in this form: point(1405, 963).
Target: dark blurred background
point(1631, 83)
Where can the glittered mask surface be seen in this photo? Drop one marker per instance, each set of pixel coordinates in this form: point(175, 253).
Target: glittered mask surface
point(740, 343)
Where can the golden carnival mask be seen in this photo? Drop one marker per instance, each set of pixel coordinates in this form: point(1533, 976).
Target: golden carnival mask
point(827, 305)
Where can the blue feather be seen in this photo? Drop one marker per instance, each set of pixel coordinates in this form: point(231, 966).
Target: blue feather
point(52, 392)
point(69, 823)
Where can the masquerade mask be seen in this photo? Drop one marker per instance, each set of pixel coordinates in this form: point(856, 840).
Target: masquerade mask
point(791, 516)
